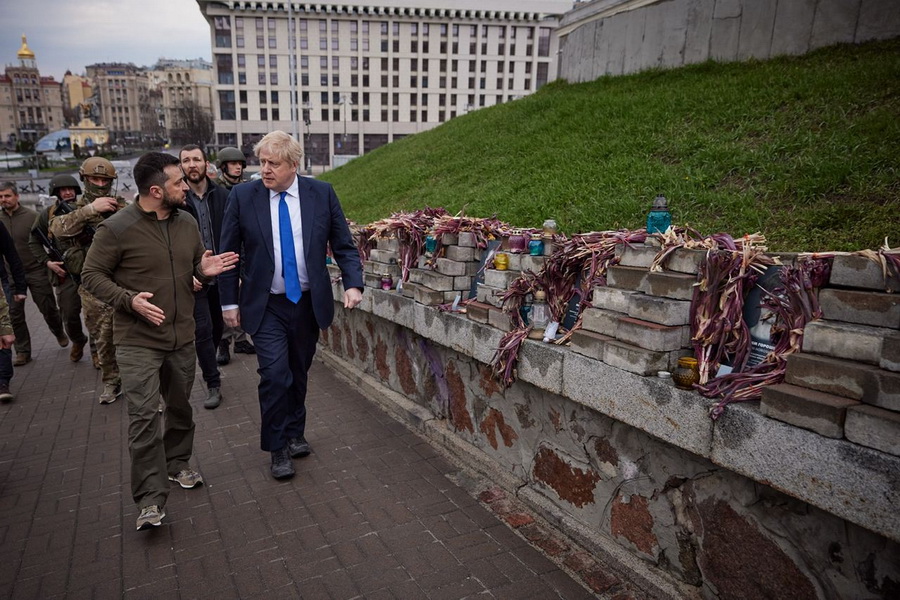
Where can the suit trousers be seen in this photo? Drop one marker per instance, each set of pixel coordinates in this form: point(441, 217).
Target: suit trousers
point(146, 375)
point(204, 335)
point(285, 345)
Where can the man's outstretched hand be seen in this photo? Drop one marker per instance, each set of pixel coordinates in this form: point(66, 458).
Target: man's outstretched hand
point(214, 264)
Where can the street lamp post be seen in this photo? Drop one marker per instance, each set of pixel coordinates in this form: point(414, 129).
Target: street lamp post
point(307, 119)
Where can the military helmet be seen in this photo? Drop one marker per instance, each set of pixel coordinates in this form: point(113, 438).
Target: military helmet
point(97, 166)
point(230, 154)
point(63, 181)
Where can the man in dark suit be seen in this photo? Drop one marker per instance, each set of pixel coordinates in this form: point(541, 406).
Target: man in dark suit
point(284, 224)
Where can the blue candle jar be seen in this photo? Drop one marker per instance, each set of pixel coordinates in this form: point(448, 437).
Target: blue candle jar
point(536, 246)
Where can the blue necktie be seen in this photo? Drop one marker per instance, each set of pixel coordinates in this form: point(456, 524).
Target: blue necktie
point(288, 257)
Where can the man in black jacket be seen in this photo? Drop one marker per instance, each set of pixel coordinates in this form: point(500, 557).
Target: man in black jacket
point(206, 202)
point(17, 293)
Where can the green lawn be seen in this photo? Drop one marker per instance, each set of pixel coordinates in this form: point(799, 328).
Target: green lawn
point(805, 150)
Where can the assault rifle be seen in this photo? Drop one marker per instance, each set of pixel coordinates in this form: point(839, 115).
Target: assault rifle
point(59, 208)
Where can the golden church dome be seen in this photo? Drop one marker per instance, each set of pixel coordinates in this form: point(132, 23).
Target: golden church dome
point(25, 52)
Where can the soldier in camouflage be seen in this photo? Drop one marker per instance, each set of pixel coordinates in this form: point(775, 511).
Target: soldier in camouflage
point(232, 163)
point(74, 233)
point(65, 189)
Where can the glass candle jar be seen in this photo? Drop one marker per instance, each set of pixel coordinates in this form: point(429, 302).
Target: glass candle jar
point(549, 228)
point(430, 244)
point(518, 243)
point(687, 373)
point(536, 246)
point(387, 282)
point(501, 261)
point(540, 315)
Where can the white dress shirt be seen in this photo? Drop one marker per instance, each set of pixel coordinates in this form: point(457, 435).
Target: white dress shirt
point(293, 201)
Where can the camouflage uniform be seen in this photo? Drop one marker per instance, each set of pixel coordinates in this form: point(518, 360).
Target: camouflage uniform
point(6, 327)
point(73, 240)
point(66, 289)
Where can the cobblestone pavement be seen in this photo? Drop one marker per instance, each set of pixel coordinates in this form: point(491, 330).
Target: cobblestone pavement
point(373, 513)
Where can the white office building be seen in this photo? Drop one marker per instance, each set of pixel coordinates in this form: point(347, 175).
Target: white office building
point(347, 77)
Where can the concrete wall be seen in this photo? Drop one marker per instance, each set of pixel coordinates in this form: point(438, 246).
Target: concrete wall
point(744, 507)
point(615, 37)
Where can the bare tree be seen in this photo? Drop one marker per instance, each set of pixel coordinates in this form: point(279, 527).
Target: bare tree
point(191, 124)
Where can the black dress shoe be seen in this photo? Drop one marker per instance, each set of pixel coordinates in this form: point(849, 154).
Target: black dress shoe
point(223, 357)
point(244, 348)
point(282, 467)
point(299, 447)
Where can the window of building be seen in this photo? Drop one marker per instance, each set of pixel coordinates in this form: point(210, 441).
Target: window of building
point(304, 25)
point(242, 60)
point(304, 79)
point(335, 79)
point(414, 29)
point(261, 78)
point(544, 41)
point(304, 62)
point(222, 26)
point(223, 67)
point(455, 30)
point(226, 105)
point(354, 80)
point(542, 75)
point(263, 114)
point(262, 97)
point(243, 96)
point(323, 79)
point(396, 45)
point(335, 44)
point(395, 28)
point(273, 61)
point(323, 43)
point(261, 61)
point(323, 98)
point(275, 114)
point(323, 63)
point(335, 63)
point(245, 114)
point(273, 96)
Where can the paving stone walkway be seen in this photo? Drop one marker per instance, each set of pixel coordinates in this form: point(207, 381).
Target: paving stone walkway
point(373, 513)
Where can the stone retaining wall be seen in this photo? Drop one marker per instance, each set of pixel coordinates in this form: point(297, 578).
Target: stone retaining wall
point(615, 37)
point(792, 497)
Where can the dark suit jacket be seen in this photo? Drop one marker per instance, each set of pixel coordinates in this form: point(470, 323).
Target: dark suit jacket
point(248, 225)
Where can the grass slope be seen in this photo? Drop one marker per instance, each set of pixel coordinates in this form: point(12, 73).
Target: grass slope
point(805, 150)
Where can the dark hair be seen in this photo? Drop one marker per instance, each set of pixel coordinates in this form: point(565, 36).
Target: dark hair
point(190, 147)
point(150, 170)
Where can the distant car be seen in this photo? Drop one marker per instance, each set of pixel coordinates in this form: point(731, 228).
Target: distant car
point(256, 176)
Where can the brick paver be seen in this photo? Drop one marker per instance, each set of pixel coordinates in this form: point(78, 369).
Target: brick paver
point(373, 513)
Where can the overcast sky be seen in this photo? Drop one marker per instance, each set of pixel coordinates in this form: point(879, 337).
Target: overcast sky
point(70, 34)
